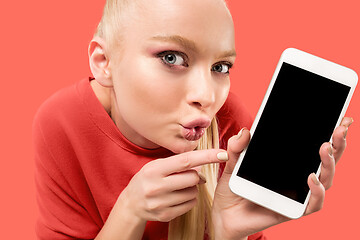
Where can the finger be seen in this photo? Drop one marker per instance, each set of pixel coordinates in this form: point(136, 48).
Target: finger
point(317, 196)
point(188, 160)
point(165, 201)
point(182, 196)
point(183, 180)
point(236, 145)
point(177, 210)
point(339, 142)
point(327, 165)
point(347, 121)
point(339, 137)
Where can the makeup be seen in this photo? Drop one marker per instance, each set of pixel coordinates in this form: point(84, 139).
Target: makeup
point(194, 130)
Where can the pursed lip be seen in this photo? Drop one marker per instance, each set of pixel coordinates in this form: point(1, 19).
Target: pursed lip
point(195, 129)
point(200, 123)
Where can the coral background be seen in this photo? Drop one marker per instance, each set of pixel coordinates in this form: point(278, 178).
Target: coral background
point(44, 48)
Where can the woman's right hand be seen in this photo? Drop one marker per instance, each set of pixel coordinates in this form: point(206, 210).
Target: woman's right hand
point(166, 188)
point(161, 191)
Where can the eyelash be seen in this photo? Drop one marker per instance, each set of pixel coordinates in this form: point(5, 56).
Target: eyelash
point(161, 55)
point(228, 64)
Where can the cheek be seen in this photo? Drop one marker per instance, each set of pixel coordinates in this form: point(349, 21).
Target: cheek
point(222, 92)
point(146, 92)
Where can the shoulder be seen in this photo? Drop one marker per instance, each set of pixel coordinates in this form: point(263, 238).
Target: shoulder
point(62, 111)
point(60, 131)
point(60, 128)
point(57, 121)
point(232, 117)
point(58, 105)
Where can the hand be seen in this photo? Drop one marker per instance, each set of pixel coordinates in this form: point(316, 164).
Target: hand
point(235, 217)
point(166, 188)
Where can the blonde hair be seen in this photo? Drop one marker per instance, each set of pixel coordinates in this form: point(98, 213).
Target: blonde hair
point(193, 224)
point(112, 24)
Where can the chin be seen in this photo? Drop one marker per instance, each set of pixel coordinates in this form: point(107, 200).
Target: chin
point(183, 146)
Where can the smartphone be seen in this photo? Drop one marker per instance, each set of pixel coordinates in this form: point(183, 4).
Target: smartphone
point(305, 101)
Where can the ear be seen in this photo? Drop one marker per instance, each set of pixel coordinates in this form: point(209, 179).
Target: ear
point(99, 62)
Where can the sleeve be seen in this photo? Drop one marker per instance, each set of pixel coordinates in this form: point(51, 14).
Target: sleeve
point(258, 236)
point(61, 212)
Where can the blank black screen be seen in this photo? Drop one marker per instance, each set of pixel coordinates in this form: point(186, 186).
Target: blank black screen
point(300, 115)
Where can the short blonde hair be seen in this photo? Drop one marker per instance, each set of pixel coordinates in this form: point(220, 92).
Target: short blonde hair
point(112, 22)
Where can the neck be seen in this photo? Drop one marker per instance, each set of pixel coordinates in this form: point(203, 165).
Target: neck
point(103, 94)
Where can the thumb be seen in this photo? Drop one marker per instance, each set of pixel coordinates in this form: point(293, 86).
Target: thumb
point(236, 145)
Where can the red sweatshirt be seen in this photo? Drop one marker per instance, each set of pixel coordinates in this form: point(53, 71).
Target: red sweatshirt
point(83, 163)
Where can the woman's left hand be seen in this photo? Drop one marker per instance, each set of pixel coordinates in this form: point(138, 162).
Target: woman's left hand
point(236, 218)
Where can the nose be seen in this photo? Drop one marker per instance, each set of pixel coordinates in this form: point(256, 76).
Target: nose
point(200, 89)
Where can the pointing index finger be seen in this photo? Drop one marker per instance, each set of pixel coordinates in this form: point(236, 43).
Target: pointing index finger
point(188, 160)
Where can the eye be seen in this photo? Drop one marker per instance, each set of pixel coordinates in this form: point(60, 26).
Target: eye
point(222, 68)
point(173, 58)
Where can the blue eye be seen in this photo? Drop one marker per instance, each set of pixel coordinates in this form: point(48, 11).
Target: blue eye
point(172, 58)
point(221, 67)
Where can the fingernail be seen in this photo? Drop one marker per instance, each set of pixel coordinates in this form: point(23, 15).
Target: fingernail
point(352, 120)
point(330, 150)
point(315, 179)
point(222, 156)
point(202, 178)
point(345, 133)
point(240, 133)
point(349, 123)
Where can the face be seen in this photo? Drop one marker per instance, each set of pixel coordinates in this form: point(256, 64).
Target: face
point(173, 73)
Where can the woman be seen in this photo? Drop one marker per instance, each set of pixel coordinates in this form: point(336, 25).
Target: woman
point(114, 153)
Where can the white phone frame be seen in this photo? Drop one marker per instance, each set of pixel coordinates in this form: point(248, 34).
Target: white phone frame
point(265, 197)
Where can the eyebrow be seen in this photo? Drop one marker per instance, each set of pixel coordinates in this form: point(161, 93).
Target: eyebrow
point(184, 42)
point(231, 53)
point(189, 44)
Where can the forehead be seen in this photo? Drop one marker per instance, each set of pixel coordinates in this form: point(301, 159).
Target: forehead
point(207, 23)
